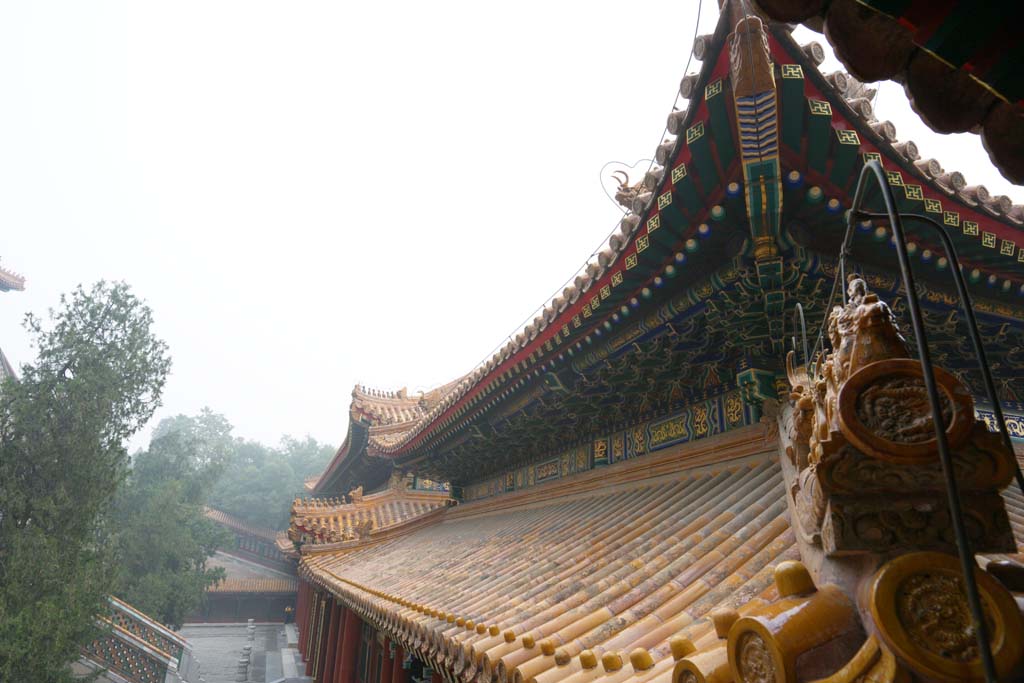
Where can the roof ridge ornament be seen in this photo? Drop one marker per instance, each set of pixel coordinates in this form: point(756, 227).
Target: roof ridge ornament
point(866, 476)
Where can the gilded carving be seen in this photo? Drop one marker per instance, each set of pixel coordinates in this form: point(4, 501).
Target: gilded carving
point(701, 426)
point(356, 494)
point(669, 430)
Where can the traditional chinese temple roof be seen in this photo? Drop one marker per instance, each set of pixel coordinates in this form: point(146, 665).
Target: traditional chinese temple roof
point(958, 61)
point(261, 585)
point(10, 280)
point(635, 496)
point(739, 219)
point(232, 522)
point(603, 575)
point(334, 521)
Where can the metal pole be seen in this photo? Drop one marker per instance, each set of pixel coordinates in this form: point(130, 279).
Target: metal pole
point(967, 561)
point(972, 327)
point(798, 312)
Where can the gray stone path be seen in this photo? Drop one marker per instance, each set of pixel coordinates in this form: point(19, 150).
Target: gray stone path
point(218, 647)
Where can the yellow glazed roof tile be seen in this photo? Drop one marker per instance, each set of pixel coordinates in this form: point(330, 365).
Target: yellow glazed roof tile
point(607, 577)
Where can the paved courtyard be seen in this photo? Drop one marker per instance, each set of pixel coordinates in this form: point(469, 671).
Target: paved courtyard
point(218, 647)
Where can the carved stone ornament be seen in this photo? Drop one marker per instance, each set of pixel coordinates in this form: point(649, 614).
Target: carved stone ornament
point(862, 441)
point(881, 524)
point(884, 411)
point(918, 606)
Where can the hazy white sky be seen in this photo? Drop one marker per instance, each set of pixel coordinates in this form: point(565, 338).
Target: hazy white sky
point(314, 194)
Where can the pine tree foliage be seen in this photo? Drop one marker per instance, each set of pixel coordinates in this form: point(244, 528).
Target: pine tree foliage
point(97, 379)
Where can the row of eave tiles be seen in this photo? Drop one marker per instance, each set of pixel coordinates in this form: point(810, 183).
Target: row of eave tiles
point(519, 595)
point(385, 514)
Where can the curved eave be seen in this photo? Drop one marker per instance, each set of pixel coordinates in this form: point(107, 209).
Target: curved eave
point(636, 254)
point(349, 463)
point(10, 281)
point(626, 270)
point(958, 62)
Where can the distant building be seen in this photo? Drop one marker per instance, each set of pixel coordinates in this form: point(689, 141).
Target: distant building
point(260, 582)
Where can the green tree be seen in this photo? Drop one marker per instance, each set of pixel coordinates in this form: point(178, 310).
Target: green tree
point(163, 540)
point(259, 483)
point(97, 379)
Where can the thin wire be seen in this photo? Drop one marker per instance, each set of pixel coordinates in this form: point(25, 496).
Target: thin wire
point(600, 246)
point(600, 178)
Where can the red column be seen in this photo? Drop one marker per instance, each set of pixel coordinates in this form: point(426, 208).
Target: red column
point(322, 642)
point(327, 669)
point(300, 614)
point(314, 633)
point(340, 644)
point(386, 663)
point(345, 670)
point(298, 611)
point(398, 674)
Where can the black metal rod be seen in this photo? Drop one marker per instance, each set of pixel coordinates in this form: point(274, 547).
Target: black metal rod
point(967, 562)
point(798, 312)
point(972, 328)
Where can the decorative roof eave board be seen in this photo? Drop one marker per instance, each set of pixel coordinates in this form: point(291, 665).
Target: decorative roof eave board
point(957, 84)
point(985, 223)
point(716, 451)
point(509, 363)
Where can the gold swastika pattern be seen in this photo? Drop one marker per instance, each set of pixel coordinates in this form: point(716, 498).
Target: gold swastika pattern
point(819, 107)
point(847, 137)
point(695, 132)
point(792, 71)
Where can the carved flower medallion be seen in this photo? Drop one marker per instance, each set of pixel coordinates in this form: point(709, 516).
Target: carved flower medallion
point(755, 659)
point(884, 411)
